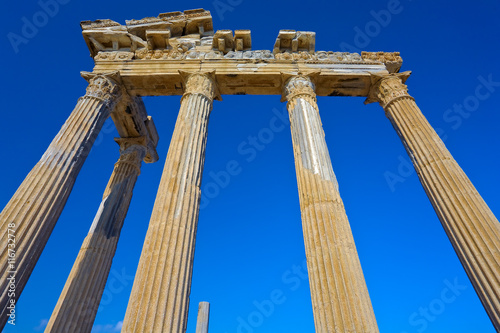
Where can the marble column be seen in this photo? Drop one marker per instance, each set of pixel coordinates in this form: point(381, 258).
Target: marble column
point(468, 221)
point(160, 295)
point(33, 211)
point(203, 317)
point(340, 298)
point(77, 306)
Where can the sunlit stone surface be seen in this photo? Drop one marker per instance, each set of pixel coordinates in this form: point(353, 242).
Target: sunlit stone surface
point(180, 53)
point(472, 228)
point(340, 299)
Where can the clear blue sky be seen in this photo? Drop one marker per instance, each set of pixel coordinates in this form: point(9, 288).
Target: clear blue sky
point(249, 234)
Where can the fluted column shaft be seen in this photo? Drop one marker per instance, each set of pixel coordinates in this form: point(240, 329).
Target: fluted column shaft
point(340, 298)
point(38, 202)
point(468, 221)
point(160, 294)
point(77, 306)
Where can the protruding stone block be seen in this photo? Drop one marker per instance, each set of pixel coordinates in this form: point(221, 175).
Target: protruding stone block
point(140, 27)
point(99, 24)
point(199, 21)
point(243, 40)
point(177, 21)
point(150, 33)
point(295, 41)
point(108, 36)
point(157, 39)
point(223, 41)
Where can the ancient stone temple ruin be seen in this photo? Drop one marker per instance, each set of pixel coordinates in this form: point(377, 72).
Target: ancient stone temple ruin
point(180, 53)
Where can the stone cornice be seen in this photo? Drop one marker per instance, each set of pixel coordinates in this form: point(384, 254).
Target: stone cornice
point(190, 36)
point(391, 60)
point(148, 54)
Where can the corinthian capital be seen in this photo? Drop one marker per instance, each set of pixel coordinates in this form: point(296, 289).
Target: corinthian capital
point(202, 83)
point(386, 88)
point(298, 85)
point(104, 86)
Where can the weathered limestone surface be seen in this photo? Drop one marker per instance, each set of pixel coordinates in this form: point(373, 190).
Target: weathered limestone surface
point(160, 294)
point(149, 52)
point(241, 76)
point(39, 200)
point(77, 306)
point(469, 223)
point(340, 298)
point(203, 317)
point(143, 57)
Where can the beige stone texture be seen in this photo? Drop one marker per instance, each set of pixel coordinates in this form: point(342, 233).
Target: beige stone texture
point(78, 303)
point(178, 53)
point(340, 298)
point(203, 317)
point(149, 52)
point(472, 228)
point(160, 295)
point(39, 200)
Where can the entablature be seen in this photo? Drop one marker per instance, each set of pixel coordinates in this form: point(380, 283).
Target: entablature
point(149, 52)
point(241, 76)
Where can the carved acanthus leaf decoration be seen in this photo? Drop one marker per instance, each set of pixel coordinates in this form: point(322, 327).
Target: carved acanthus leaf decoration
point(200, 83)
point(104, 86)
point(386, 88)
point(299, 86)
